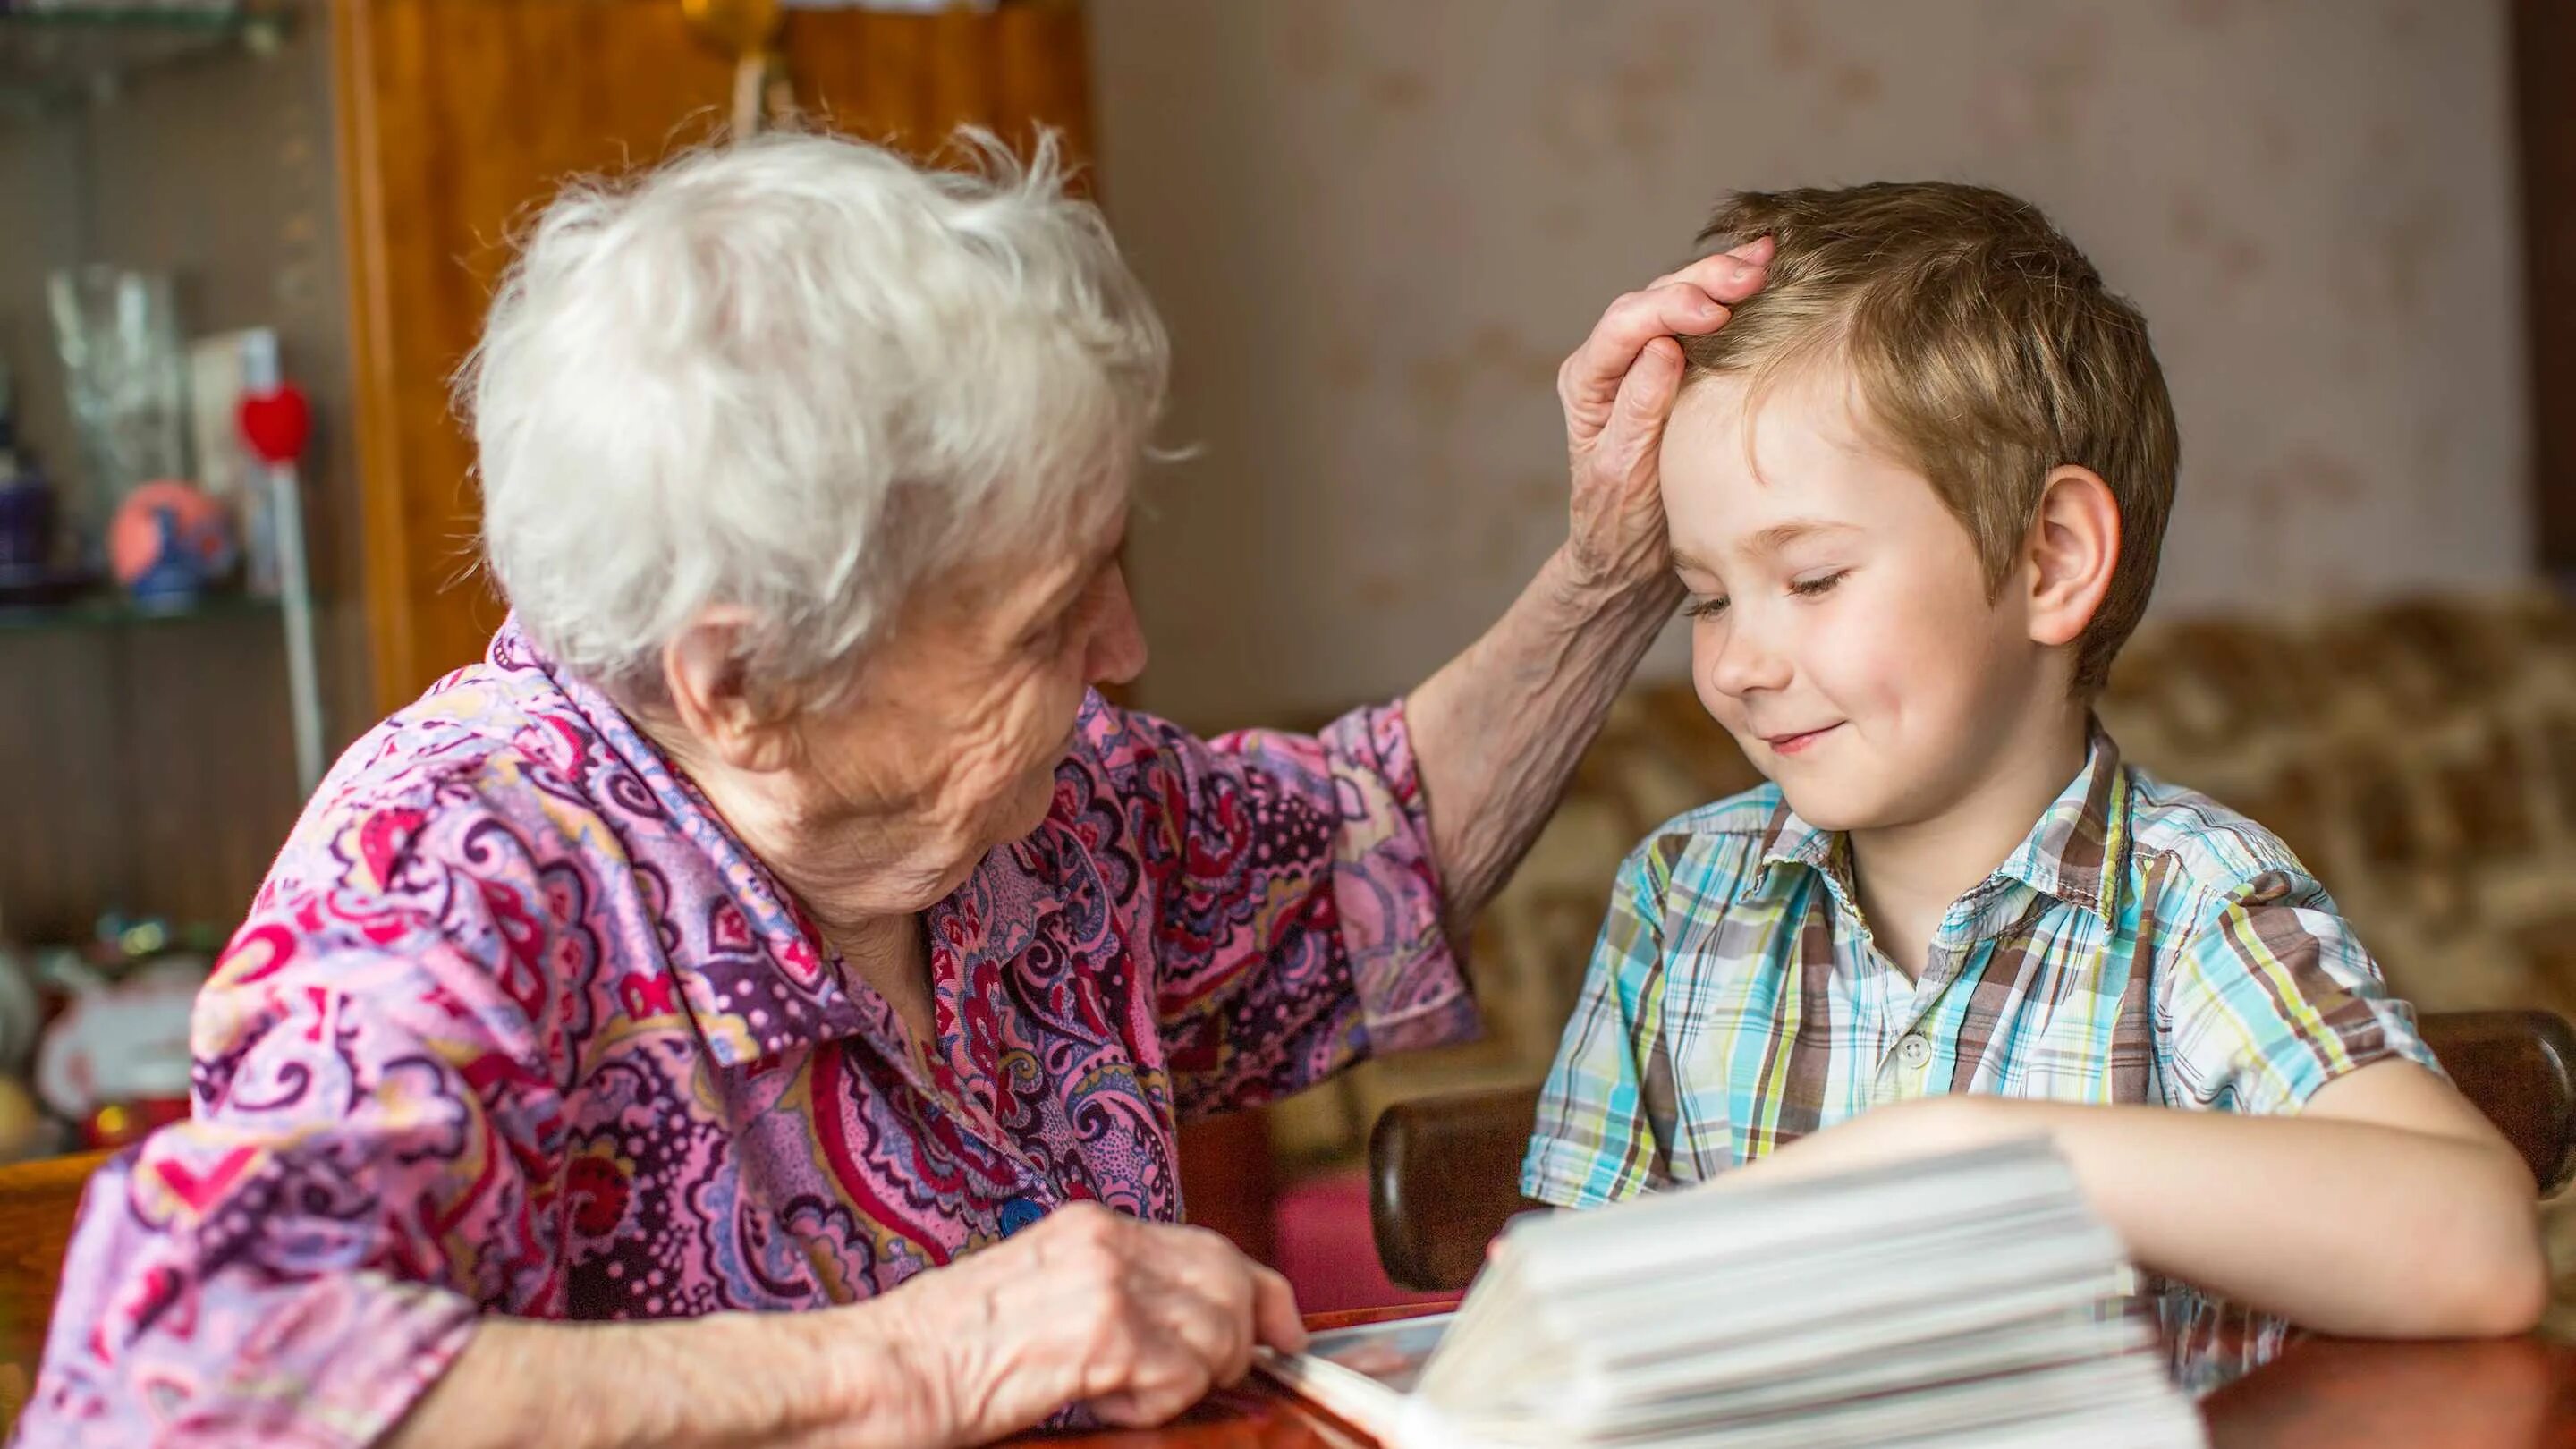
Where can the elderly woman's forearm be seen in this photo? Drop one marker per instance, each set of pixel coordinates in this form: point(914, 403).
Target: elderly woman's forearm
point(728, 1379)
point(1497, 731)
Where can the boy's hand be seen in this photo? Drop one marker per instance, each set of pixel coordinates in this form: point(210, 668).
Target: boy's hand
point(1618, 389)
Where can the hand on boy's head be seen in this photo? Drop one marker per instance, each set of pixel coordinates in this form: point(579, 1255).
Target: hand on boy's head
point(1729, 276)
point(1618, 389)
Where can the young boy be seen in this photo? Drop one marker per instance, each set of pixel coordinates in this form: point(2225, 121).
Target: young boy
point(1915, 489)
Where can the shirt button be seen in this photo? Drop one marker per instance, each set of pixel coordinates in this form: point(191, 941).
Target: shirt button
point(1019, 1212)
point(1914, 1051)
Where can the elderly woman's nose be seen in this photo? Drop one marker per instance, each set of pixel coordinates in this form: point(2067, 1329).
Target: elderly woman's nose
point(1118, 642)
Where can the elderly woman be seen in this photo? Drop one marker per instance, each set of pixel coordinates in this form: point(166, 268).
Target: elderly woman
point(776, 920)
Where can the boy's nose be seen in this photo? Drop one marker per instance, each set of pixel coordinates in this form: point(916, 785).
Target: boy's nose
point(1745, 664)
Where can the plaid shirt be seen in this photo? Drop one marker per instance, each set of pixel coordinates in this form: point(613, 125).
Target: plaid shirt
point(2143, 944)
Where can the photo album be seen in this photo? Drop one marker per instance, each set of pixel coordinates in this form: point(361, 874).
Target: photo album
point(1965, 1299)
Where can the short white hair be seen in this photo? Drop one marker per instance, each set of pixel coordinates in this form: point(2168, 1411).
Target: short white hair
point(803, 376)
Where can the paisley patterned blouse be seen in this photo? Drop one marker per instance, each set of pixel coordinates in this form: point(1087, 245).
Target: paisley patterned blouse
point(516, 1026)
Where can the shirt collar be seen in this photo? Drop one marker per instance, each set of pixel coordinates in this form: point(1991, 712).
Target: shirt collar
point(1790, 841)
point(2070, 851)
point(734, 937)
point(2067, 854)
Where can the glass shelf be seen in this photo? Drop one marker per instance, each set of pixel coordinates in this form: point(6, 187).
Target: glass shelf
point(58, 52)
point(115, 611)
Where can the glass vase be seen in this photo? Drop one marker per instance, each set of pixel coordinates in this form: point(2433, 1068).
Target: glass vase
point(125, 379)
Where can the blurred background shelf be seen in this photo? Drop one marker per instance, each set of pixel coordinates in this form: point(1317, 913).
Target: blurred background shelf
point(58, 55)
point(115, 611)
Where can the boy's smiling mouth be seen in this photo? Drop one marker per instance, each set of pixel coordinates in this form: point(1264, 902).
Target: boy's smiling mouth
point(1790, 744)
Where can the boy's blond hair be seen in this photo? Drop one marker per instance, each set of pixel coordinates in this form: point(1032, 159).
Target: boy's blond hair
point(1985, 351)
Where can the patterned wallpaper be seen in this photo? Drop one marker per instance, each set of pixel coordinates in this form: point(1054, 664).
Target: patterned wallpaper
point(1375, 229)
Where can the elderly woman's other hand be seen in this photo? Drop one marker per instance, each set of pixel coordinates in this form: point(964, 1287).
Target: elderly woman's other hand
point(1136, 1319)
point(1618, 389)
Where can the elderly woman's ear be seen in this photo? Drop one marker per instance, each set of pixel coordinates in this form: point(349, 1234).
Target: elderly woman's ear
point(706, 675)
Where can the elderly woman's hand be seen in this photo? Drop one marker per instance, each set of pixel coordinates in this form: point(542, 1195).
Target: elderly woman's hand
point(1618, 389)
point(1137, 1319)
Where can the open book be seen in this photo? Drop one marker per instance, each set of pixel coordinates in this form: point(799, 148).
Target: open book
point(1955, 1300)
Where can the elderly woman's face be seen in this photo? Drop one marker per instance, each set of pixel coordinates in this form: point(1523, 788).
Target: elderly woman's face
point(952, 738)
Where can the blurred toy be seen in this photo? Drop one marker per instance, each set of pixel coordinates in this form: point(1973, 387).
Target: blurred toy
point(26, 499)
point(116, 1060)
point(121, 1124)
point(169, 541)
point(275, 419)
point(28, 518)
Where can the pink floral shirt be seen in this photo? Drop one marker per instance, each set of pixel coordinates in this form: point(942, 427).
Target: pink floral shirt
point(517, 1026)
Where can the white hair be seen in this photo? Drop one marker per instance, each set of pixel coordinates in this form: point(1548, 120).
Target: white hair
point(801, 376)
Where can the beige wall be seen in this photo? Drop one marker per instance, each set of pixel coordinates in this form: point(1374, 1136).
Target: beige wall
point(1376, 227)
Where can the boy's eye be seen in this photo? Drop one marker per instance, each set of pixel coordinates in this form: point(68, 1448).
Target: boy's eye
point(1704, 608)
point(1822, 583)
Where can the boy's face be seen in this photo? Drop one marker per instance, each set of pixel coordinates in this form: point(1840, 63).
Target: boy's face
point(1840, 628)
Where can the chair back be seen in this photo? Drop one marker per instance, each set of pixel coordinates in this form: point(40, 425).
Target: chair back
point(1444, 1172)
point(2519, 1068)
point(38, 1203)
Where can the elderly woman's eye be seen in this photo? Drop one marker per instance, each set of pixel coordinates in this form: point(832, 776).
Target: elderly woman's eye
point(1051, 632)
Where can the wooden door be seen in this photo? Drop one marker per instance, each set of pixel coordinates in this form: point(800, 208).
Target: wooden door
point(458, 116)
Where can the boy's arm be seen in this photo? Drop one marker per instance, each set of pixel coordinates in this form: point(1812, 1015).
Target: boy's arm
point(2388, 1208)
point(2310, 1164)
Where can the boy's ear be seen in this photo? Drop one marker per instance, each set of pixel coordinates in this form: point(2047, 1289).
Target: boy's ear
point(2072, 551)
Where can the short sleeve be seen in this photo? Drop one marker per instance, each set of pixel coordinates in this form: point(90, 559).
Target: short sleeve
point(1294, 905)
point(2270, 997)
point(364, 1170)
point(1594, 1141)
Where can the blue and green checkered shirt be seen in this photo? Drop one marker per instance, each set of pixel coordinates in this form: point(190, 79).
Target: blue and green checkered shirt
point(2144, 944)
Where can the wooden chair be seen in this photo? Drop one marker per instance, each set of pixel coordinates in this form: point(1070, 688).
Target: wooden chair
point(1444, 1172)
point(38, 1201)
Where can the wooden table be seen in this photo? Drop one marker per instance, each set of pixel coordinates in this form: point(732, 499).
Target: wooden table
point(2506, 1394)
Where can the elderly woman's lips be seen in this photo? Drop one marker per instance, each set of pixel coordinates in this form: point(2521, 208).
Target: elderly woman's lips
point(1792, 744)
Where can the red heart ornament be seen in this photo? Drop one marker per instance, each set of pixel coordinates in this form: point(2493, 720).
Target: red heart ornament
point(276, 424)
